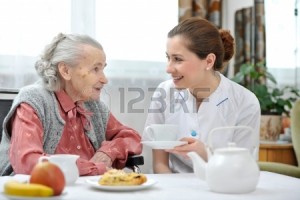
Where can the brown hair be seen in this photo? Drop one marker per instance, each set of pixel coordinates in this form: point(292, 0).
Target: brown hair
point(204, 38)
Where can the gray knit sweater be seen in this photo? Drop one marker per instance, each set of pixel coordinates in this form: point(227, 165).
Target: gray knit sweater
point(46, 107)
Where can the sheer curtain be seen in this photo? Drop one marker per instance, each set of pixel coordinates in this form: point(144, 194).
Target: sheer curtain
point(26, 26)
point(283, 40)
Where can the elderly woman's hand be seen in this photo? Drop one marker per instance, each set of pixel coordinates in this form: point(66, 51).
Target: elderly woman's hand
point(192, 145)
point(101, 157)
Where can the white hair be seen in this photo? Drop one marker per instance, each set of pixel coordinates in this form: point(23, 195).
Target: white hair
point(65, 48)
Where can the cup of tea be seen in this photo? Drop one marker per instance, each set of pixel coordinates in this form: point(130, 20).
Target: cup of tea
point(162, 132)
point(67, 163)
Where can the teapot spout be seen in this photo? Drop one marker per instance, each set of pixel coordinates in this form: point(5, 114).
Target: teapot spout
point(199, 165)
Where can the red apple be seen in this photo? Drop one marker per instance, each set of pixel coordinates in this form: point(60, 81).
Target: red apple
point(49, 174)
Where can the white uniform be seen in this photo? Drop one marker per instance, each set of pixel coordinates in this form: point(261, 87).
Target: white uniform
point(229, 105)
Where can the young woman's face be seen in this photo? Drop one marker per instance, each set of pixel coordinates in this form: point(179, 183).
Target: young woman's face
point(186, 69)
point(87, 78)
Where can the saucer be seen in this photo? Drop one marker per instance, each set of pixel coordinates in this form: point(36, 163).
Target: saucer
point(163, 144)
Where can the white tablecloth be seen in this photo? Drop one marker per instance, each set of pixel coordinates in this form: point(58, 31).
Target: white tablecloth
point(182, 186)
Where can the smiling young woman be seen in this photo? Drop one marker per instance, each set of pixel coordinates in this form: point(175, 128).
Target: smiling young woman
point(198, 97)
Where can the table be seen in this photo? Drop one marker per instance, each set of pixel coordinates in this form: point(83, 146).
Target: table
point(277, 152)
point(271, 186)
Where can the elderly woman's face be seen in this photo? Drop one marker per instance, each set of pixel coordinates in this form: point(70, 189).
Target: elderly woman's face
point(87, 78)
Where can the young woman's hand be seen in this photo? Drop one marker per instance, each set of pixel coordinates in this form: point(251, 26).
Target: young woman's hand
point(192, 145)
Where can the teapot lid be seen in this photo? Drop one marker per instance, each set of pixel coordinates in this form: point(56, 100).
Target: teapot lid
point(232, 148)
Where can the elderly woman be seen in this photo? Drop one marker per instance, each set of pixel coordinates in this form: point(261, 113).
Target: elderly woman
point(63, 114)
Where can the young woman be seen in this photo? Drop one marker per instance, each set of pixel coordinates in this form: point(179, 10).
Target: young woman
point(199, 98)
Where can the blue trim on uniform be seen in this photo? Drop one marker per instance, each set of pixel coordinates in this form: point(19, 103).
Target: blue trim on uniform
point(222, 101)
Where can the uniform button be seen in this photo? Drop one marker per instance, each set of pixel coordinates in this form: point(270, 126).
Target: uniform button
point(78, 147)
point(28, 134)
point(193, 133)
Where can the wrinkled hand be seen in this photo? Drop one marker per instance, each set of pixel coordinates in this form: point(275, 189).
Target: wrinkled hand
point(192, 145)
point(101, 157)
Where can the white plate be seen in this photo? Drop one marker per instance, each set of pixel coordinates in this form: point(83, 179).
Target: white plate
point(94, 183)
point(163, 144)
point(11, 197)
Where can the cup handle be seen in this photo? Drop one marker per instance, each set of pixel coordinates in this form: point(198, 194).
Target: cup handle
point(149, 132)
point(42, 158)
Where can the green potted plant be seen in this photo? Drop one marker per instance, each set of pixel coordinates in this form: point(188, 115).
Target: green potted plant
point(274, 101)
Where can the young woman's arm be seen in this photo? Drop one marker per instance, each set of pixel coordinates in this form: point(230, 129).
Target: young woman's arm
point(161, 162)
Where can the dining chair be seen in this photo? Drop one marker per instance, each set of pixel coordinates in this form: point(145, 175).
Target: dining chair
point(6, 99)
point(286, 169)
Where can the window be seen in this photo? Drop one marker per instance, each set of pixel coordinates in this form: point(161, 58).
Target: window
point(132, 32)
point(26, 26)
point(281, 34)
point(283, 40)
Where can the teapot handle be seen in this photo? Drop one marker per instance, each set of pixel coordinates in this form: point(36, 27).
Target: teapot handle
point(214, 130)
point(149, 132)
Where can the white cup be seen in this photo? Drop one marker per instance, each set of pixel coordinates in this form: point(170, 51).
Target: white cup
point(67, 163)
point(162, 132)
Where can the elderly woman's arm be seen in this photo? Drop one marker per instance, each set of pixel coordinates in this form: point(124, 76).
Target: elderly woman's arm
point(121, 141)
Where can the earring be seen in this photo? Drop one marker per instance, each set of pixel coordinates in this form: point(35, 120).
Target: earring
point(207, 68)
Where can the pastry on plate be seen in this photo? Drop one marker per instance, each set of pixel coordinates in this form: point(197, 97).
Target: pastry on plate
point(116, 177)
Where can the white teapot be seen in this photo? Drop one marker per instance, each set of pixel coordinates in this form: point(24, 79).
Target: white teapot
point(228, 170)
